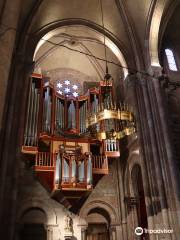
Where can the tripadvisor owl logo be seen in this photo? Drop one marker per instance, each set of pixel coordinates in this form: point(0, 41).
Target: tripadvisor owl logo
point(138, 231)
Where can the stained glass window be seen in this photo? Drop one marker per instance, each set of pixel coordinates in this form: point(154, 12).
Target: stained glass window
point(171, 60)
point(67, 88)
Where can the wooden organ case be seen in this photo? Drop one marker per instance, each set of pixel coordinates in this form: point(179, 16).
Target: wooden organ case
point(67, 160)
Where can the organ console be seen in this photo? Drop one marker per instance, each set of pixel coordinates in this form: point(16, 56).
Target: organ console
point(72, 138)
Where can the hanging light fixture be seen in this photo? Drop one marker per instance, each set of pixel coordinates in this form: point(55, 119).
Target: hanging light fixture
point(109, 121)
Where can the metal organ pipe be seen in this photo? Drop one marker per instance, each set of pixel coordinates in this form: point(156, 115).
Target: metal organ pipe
point(71, 116)
point(32, 117)
point(65, 171)
point(58, 169)
point(59, 114)
point(63, 121)
point(81, 171)
point(48, 118)
point(95, 104)
point(47, 111)
point(36, 113)
point(89, 170)
point(73, 173)
point(82, 119)
point(56, 110)
point(83, 114)
point(28, 114)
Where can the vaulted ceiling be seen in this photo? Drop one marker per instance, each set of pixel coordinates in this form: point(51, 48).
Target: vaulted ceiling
point(131, 29)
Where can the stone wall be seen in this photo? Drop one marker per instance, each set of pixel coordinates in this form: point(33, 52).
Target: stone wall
point(33, 195)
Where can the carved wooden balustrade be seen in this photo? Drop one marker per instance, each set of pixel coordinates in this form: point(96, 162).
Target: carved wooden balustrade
point(99, 164)
point(44, 161)
point(111, 147)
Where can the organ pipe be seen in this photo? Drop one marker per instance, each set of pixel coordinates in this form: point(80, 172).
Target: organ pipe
point(58, 170)
point(89, 170)
point(83, 115)
point(81, 171)
point(59, 123)
point(47, 111)
point(66, 171)
point(32, 116)
point(36, 118)
point(28, 114)
point(73, 173)
point(71, 116)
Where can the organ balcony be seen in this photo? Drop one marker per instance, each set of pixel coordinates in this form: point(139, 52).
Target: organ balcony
point(68, 171)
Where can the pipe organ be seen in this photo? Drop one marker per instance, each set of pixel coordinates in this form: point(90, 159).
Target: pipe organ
point(31, 128)
point(61, 132)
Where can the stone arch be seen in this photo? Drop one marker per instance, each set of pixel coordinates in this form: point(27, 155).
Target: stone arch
point(134, 174)
point(96, 65)
point(99, 205)
point(37, 203)
point(31, 40)
point(34, 215)
point(133, 160)
point(152, 30)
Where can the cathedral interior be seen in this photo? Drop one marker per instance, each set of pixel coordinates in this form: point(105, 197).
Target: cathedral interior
point(89, 119)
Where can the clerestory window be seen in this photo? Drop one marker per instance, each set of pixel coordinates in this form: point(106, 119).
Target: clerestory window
point(171, 60)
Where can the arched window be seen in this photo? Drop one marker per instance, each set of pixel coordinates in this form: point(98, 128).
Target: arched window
point(66, 87)
point(170, 59)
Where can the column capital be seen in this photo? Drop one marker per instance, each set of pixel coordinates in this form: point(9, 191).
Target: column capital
point(131, 201)
point(83, 227)
point(155, 71)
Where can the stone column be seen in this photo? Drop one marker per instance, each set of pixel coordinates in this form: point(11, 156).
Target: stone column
point(112, 232)
point(84, 232)
point(122, 210)
point(8, 26)
point(49, 232)
point(166, 160)
point(151, 146)
point(10, 147)
point(137, 88)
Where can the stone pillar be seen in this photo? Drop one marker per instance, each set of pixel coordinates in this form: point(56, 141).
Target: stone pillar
point(49, 232)
point(83, 232)
point(10, 147)
point(131, 205)
point(166, 158)
point(8, 26)
point(136, 87)
point(112, 232)
point(148, 126)
point(120, 190)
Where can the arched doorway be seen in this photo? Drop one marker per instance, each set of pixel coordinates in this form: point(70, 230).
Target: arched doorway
point(33, 225)
point(98, 224)
point(138, 190)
